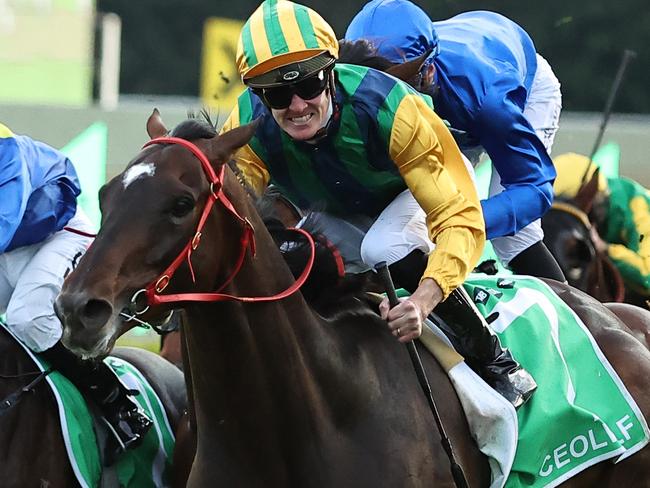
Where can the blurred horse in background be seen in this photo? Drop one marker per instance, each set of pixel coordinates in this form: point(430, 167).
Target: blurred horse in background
point(567, 234)
point(32, 449)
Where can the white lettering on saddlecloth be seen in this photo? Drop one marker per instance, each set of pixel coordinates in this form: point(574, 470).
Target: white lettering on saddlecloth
point(626, 427)
point(575, 452)
point(594, 445)
point(582, 444)
point(558, 454)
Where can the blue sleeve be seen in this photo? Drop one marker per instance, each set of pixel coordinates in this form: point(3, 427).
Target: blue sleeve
point(526, 170)
point(15, 189)
point(38, 191)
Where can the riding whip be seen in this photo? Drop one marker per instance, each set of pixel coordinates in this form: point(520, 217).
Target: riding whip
point(456, 470)
point(628, 55)
point(12, 400)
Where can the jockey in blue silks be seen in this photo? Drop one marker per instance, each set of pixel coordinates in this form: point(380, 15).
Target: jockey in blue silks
point(42, 236)
point(487, 80)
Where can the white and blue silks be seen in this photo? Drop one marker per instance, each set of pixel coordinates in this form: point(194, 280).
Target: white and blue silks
point(39, 188)
point(485, 67)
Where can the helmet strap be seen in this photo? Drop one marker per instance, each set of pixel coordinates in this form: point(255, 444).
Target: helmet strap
point(429, 75)
point(332, 88)
point(332, 111)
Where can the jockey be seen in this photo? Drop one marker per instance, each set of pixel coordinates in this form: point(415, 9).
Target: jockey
point(620, 213)
point(486, 79)
point(370, 151)
point(39, 189)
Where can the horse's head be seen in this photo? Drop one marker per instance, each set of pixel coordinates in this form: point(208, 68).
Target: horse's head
point(567, 234)
point(150, 215)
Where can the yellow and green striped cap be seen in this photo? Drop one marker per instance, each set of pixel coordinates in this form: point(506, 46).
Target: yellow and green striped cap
point(571, 168)
point(5, 132)
point(281, 32)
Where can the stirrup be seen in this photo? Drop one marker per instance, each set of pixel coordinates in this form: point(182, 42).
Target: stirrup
point(128, 428)
point(515, 386)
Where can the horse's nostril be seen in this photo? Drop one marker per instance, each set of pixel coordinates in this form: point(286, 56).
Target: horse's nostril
point(98, 311)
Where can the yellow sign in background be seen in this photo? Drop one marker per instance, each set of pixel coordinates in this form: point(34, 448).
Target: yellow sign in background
point(220, 82)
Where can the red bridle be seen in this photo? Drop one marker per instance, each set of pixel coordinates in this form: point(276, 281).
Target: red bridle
point(247, 240)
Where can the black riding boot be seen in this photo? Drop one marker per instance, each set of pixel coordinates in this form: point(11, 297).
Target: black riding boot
point(471, 336)
point(96, 380)
point(537, 261)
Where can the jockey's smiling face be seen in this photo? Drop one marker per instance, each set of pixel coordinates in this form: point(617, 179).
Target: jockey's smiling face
point(302, 118)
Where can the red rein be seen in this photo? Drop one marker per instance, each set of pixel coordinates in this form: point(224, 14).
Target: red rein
point(247, 241)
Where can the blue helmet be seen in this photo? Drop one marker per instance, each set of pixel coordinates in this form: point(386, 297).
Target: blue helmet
point(399, 30)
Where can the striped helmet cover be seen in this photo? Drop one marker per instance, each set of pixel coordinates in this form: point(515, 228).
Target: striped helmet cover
point(571, 168)
point(281, 32)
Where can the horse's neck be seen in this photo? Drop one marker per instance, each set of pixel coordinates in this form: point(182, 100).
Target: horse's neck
point(253, 364)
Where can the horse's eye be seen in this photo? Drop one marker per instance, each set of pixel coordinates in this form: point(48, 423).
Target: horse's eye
point(182, 206)
point(574, 274)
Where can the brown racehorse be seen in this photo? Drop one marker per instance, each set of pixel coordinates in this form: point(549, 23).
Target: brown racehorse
point(32, 452)
point(567, 235)
point(283, 396)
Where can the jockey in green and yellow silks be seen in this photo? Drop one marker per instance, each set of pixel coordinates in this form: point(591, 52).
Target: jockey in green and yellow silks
point(368, 151)
point(621, 215)
point(371, 137)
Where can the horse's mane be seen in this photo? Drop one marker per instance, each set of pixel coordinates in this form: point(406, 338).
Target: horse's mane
point(196, 126)
point(363, 53)
point(330, 295)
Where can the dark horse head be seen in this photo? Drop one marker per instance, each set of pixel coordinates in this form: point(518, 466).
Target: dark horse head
point(567, 233)
point(152, 232)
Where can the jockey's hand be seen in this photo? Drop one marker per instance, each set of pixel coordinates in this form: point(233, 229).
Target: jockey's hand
point(405, 320)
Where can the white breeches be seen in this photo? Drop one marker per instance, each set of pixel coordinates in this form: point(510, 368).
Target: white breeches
point(399, 229)
point(31, 278)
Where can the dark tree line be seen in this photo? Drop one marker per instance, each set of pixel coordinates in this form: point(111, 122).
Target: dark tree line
point(582, 40)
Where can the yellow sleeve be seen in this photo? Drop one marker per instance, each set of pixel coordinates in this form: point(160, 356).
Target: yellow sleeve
point(633, 258)
point(432, 167)
point(250, 164)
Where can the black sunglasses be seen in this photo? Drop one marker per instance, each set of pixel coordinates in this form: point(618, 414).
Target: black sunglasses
point(280, 97)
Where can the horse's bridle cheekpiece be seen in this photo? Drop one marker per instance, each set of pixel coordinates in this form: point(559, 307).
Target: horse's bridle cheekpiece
point(247, 241)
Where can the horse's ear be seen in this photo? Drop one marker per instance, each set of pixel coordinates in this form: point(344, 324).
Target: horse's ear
point(155, 125)
point(408, 70)
point(584, 199)
point(223, 146)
